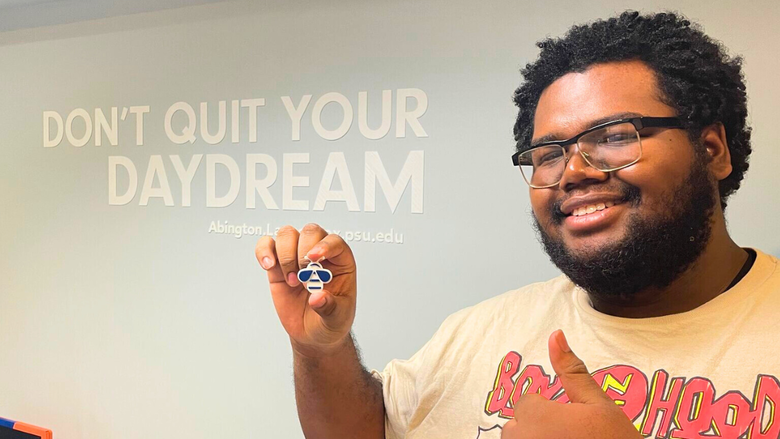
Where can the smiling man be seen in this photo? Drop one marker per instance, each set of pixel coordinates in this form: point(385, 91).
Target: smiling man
point(626, 208)
point(631, 136)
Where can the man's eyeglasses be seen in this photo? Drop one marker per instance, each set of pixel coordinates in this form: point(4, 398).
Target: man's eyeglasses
point(607, 147)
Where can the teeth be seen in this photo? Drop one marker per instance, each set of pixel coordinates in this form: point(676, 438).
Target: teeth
point(584, 210)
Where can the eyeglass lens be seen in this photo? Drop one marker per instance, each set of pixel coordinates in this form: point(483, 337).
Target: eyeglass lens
point(605, 149)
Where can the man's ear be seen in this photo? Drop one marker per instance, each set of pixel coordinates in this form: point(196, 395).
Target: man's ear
point(714, 140)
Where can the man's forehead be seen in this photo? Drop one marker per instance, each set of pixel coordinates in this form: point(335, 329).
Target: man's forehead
point(580, 100)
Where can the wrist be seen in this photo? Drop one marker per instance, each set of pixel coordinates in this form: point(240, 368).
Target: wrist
point(319, 352)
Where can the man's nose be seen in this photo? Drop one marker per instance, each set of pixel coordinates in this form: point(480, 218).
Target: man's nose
point(578, 171)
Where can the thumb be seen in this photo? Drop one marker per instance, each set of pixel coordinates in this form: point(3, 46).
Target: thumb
point(329, 307)
point(574, 375)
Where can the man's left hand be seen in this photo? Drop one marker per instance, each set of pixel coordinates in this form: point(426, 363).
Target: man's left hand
point(590, 414)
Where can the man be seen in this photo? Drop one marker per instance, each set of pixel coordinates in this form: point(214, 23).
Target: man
point(631, 135)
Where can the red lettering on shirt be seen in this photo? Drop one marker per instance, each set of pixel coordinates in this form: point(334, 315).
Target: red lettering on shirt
point(665, 407)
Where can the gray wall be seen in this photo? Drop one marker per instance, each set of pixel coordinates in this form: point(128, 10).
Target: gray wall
point(133, 321)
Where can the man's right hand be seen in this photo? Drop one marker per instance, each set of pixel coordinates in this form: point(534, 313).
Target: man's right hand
point(317, 323)
point(337, 397)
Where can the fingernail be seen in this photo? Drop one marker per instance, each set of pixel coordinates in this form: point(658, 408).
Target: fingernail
point(267, 262)
point(314, 251)
point(563, 343)
point(292, 279)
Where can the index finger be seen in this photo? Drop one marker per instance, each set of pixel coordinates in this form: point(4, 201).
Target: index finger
point(334, 249)
point(265, 252)
point(310, 235)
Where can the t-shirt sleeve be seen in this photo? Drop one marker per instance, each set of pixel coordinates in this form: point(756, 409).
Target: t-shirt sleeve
point(399, 389)
point(407, 384)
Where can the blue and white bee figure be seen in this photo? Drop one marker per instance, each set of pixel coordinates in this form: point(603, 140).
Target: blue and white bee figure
point(314, 276)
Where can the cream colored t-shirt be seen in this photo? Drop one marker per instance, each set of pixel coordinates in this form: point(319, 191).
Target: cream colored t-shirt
point(709, 372)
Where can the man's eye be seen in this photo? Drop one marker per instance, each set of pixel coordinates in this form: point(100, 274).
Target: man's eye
point(548, 157)
point(618, 139)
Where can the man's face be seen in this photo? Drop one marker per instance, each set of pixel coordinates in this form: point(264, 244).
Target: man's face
point(665, 197)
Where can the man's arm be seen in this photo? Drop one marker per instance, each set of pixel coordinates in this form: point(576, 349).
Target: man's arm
point(337, 397)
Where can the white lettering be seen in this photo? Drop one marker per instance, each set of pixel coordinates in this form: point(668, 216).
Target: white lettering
point(336, 164)
point(296, 114)
point(403, 116)
point(255, 186)
point(156, 169)
point(139, 113)
point(384, 127)
point(102, 125)
point(291, 181)
point(235, 119)
point(412, 171)
point(213, 139)
point(212, 200)
point(186, 175)
point(188, 132)
point(113, 198)
point(252, 105)
point(48, 116)
point(346, 122)
point(80, 141)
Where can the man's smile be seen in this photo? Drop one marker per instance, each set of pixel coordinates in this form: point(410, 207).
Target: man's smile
point(584, 213)
point(593, 216)
point(588, 204)
point(587, 210)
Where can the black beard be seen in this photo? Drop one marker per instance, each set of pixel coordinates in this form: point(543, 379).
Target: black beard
point(654, 252)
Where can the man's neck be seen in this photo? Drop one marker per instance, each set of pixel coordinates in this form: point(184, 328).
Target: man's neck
point(706, 279)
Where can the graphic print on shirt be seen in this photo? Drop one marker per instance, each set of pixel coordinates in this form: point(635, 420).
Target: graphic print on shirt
point(660, 406)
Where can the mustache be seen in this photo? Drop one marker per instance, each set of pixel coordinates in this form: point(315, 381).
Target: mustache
point(628, 194)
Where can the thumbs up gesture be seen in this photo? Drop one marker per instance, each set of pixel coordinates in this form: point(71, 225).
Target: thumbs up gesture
point(591, 413)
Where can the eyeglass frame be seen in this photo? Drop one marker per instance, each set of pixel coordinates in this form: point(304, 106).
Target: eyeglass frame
point(639, 123)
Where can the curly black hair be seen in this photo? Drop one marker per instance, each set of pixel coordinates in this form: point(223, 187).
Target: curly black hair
point(695, 75)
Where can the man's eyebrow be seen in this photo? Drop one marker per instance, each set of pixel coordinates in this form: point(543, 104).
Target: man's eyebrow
point(592, 123)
